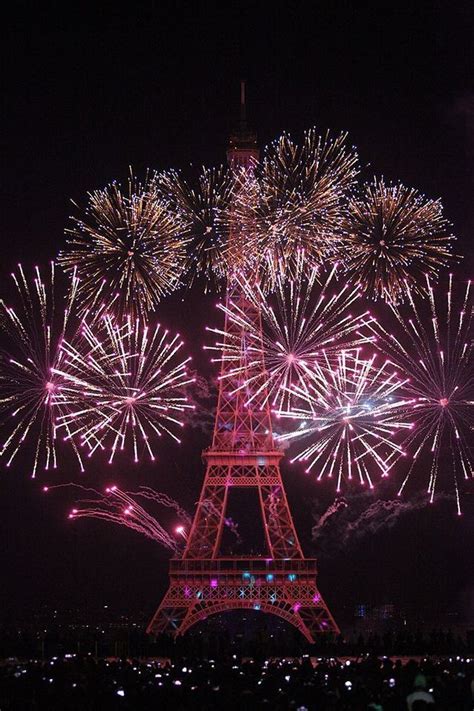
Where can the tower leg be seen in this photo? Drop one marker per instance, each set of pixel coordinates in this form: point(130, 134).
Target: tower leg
point(206, 532)
point(285, 588)
point(175, 616)
point(279, 527)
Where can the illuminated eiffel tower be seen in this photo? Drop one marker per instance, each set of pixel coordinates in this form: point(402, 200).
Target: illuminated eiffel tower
point(242, 454)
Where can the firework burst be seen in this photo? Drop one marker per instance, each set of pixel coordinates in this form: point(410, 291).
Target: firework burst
point(124, 509)
point(129, 245)
point(306, 321)
point(293, 203)
point(31, 391)
point(201, 206)
point(125, 383)
point(436, 354)
point(392, 237)
point(350, 417)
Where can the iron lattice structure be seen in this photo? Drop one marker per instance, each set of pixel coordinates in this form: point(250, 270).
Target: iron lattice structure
point(243, 454)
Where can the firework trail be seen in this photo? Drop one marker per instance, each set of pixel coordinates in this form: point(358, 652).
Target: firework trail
point(350, 415)
point(124, 383)
point(435, 352)
point(202, 398)
point(338, 505)
point(305, 322)
point(349, 519)
point(32, 394)
point(128, 245)
point(393, 236)
point(122, 508)
point(146, 492)
point(212, 510)
point(201, 206)
point(292, 203)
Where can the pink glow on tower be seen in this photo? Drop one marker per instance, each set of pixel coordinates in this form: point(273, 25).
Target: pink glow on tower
point(242, 455)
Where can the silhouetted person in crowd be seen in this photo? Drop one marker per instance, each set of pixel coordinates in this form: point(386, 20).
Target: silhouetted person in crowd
point(419, 698)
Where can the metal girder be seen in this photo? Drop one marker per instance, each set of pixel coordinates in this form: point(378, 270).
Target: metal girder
point(243, 454)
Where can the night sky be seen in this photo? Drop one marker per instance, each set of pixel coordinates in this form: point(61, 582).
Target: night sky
point(157, 85)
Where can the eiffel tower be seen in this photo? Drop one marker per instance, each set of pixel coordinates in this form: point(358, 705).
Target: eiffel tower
point(243, 454)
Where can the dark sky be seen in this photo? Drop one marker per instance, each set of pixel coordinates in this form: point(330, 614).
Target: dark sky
point(88, 93)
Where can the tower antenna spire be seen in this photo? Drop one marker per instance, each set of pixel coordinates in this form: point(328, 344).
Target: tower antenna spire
point(243, 106)
point(243, 148)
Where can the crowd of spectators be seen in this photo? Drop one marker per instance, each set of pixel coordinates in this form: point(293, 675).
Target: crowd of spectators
point(73, 683)
point(252, 637)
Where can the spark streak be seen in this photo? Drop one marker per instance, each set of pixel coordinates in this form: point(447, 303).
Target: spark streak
point(293, 203)
point(304, 323)
point(436, 353)
point(32, 391)
point(123, 508)
point(393, 235)
point(125, 382)
point(129, 245)
point(350, 415)
point(201, 205)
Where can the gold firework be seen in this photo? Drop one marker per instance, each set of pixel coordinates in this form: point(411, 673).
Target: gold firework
point(129, 246)
point(393, 236)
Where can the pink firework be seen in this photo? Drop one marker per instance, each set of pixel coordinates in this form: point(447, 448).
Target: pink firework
point(307, 321)
point(126, 384)
point(350, 419)
point(435, 352)
point(124, 509)
point(32, 395)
